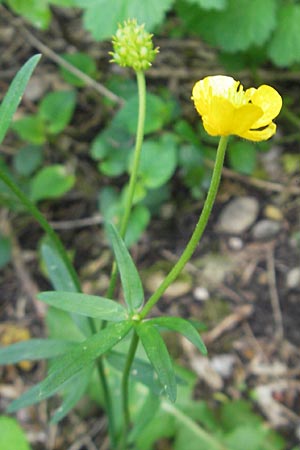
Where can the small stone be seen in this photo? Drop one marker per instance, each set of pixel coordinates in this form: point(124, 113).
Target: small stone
point(201, 294)
point(235, 243)
point(238, 215)
point(293, 278)
point(273, 213)
point(266, 229)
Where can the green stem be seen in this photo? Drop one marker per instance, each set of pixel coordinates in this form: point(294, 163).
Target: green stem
point(63, 254)
point(196, 236)
point(134, 172)
point(125, 393)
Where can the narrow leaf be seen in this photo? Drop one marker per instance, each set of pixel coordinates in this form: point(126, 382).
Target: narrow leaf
point(131, 282)
point(73, 362)
point(14, 94)
point(61, 279)
point(86, 305)
point(183, 327)
point(74, 390)
point(34, 349)
point(57, 270)
point(159, 357)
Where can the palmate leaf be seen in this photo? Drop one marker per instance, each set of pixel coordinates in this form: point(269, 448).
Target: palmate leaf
point(34, 349)
point(102, 17)
point(183, 327)
point(86, 305)
point(238, 27)
point(72, 363)
point(131, 282)
point(14, 94)
point(159, 357)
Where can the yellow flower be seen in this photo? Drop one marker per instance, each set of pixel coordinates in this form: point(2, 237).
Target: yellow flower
point(227, 109)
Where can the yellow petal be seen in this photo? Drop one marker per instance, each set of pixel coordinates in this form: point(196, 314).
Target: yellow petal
point(269, 101)
point(260, 135)
point(245, 117)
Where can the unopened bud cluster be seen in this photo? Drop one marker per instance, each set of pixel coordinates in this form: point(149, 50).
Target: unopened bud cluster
point(133, 46)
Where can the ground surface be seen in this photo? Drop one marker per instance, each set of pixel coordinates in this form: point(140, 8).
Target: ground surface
point(243, 281)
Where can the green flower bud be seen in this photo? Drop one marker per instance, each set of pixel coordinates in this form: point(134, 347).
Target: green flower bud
point(133, 46)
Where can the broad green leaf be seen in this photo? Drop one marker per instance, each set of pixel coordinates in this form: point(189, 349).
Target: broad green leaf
point(86, 305)
point(183, 327)
point(209, 4)
point(159, 357)
point(158, 114)
point(14, 94)
point(242, 157)
point(34, 349)
point(158, 161)
point(284, 48)
point(5, 250)
point(12, 437)
point(73, 391)
point(72, 363)
point(37, 11)
point(28, 159)
point(242, 24)
point(131, 282)
point(31, 128)
point(51, 182)
point(57, 109)
point(81, 61)
point(102, 17)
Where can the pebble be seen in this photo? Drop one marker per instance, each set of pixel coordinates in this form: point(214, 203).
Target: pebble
point(293, 278)
point(238, 215)
point(201, 294)
point(265, 229)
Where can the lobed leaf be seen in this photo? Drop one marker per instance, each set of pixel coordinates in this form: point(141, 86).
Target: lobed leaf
point(159, 357)
point(84, 304)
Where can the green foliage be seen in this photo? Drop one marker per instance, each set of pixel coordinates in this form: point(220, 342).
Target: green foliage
point(28, 159)
point(159, 357)
point(284, 48)
point(54, 113)
point(82, 356)
point(15, 93)
point(5, 250)
point(131, 282)
point(235, 28)
point(12, 436)
point(242, 156)
point(37, 11)
point(51, 182)
point(103, 25)
point(81, 61)
point(183, 327)
point(84, 304)
point(56, 110)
